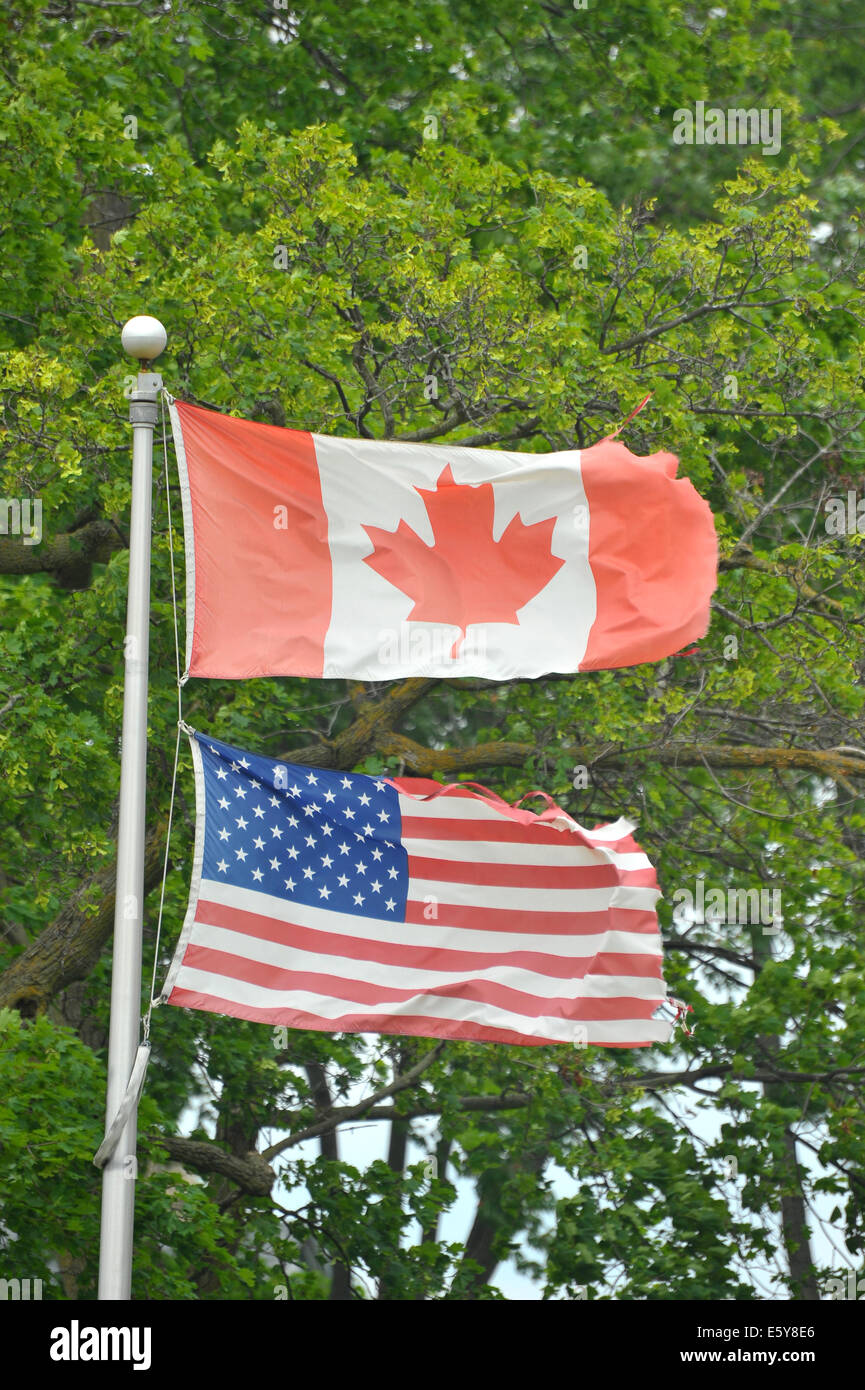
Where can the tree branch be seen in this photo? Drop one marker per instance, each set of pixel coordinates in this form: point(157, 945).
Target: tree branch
point(825, 762)
point(68, 556)
point(353, 1112)
point(69, 947)
point(252, 1173)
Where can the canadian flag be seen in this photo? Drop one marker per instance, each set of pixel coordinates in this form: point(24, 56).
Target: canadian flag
point(316, 556)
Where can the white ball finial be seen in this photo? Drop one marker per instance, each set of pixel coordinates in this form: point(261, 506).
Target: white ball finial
point(143, 337)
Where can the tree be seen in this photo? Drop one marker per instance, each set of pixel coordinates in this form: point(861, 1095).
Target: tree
point(317, 267)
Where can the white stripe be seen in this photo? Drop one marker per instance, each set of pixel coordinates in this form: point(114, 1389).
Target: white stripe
point(375, 972)
point(539, 900)
point(473, 809)
point(426, 1006)
point(452, 807)
point(617, 830)
point(562, 856)
point(438, 935)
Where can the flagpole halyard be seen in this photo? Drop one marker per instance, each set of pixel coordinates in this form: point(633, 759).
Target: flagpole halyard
point(143, 338)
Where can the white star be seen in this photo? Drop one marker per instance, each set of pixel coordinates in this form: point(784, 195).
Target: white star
point(241, 853)
point(347, 811)
point(358, 836)
point(375, 886)
point(223, 834)
point(259, 811)
point(309, 809)
point(358, 898)
point(295, 790)
point(311, 841)
point(292, 820)
point(392, 873)
point(365, 800)
point(244, 764)
point(258, 842)
point(390, 904)
point(324, 892)
point(274, 771)
point(241, 792)
point(312, 780)
point(383, 816)
point(274, 863)
point(379, 786)
point(327, 829)
point(329, 796)
point(308, 873)
point(376, 854)
point(289, 883)
point(360, 867)
point(223, 803)
point(343, 848)
point(257, 875)
point(256, 786)
point(274, 801)
point(222, 866)
point(241, 823)
point(326, 862)
point(292, 852)
point(275, 830)
point(342, 881)
point(346, 783)
point(234, 767)
point(221, 773)
point(367, 829)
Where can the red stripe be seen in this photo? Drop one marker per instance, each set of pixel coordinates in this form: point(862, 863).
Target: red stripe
point(498, 831)
point(515, 1001)
point(409, 1026)
point(419, 957)
point(601, 875)
point(533, 922)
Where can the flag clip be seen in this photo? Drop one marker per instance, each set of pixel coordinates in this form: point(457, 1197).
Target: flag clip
point(682, 1011)
point(127, 1105)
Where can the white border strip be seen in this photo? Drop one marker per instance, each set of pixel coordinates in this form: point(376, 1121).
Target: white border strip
point(188, 532)
point(197, 869)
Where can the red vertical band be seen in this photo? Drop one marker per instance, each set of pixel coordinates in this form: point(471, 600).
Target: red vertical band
point(262, 568)
point(653, 552)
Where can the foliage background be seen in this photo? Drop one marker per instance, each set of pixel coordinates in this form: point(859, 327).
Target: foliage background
point(433, 171)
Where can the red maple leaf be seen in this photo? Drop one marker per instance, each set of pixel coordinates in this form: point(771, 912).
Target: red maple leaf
point(465, 576)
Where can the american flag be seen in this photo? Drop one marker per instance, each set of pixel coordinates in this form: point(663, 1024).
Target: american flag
point(348, 903)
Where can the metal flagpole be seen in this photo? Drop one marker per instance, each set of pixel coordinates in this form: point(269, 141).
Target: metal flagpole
point(143, 338)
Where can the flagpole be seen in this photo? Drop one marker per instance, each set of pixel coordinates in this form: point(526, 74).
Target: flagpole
point(143, 338)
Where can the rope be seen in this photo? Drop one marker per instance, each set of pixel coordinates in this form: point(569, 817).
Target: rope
point(628, 418)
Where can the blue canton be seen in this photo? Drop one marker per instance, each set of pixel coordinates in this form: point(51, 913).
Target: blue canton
point(307, 835)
